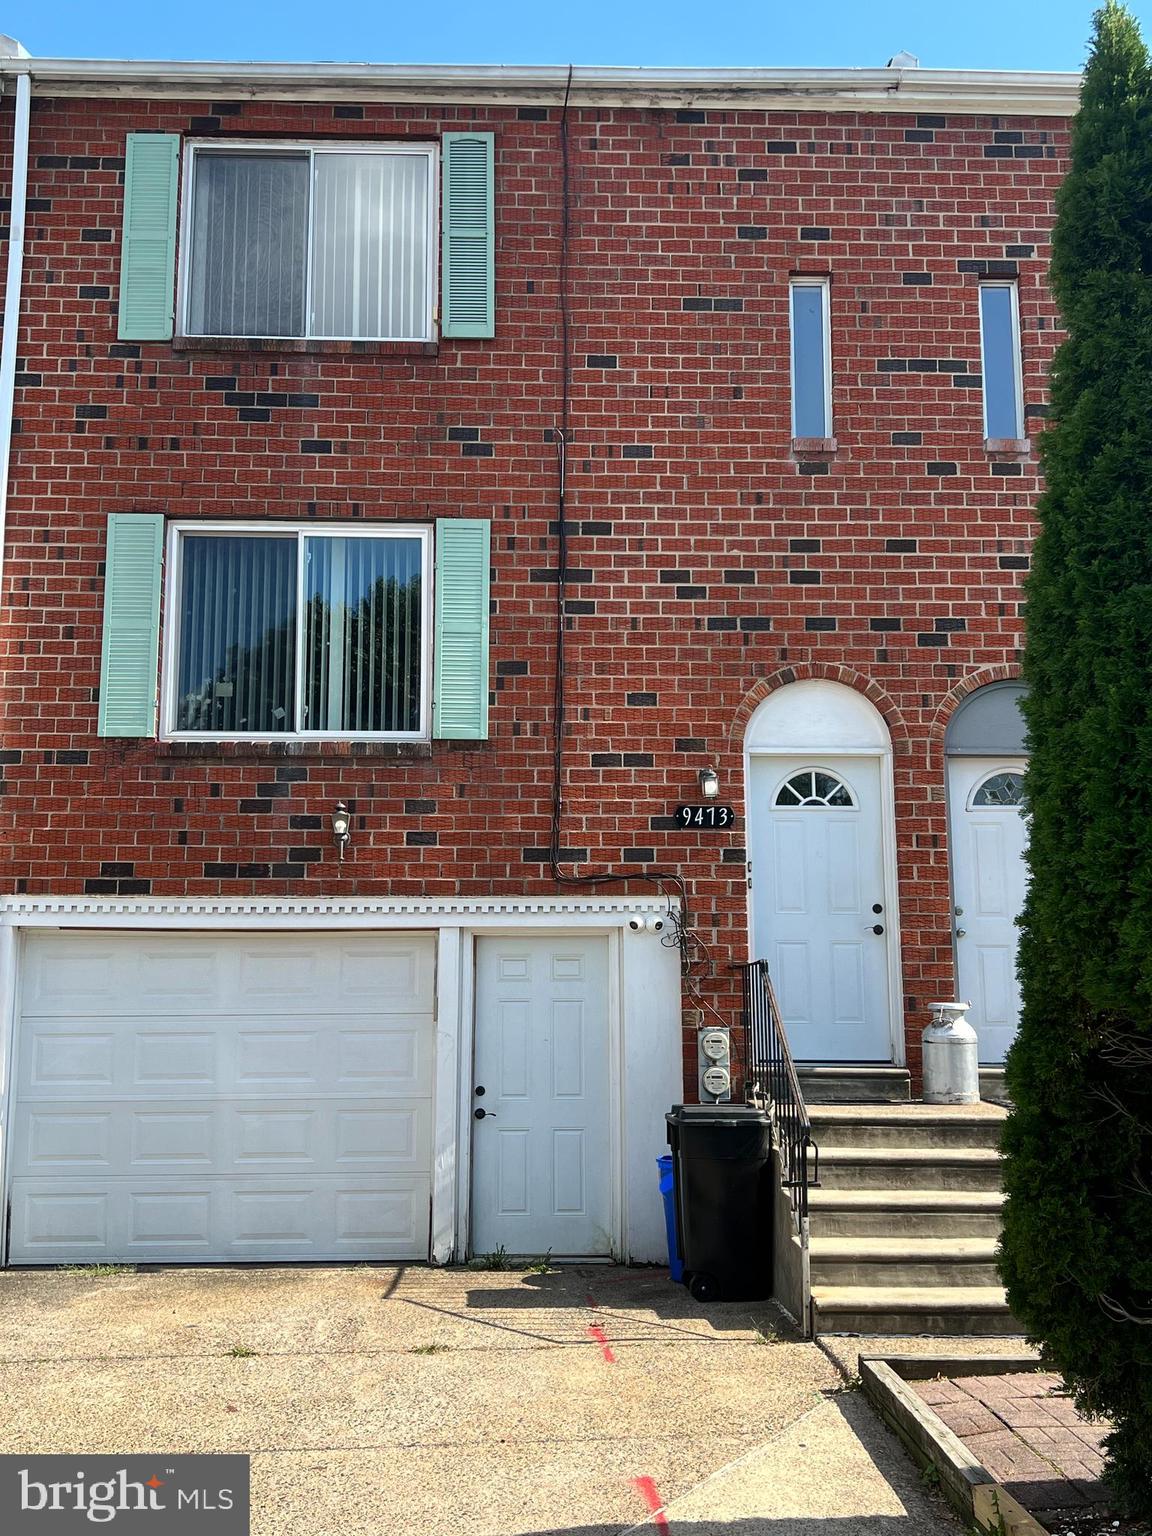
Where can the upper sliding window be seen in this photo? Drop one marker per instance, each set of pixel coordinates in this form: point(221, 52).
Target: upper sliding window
point(1000, 351)
point(285, 241)
point(282, 631)
point(811, 357)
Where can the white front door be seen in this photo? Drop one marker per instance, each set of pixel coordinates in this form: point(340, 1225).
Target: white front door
point(988, 878)
point(820, 917)
point(541, 1154)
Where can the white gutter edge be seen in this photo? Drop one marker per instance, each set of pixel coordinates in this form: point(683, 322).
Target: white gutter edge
point(12, 296)
point(1009, 92)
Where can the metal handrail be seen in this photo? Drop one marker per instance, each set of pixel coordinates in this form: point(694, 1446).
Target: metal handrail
point(771, 1083)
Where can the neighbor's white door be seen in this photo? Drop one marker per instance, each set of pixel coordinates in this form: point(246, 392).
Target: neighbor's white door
point(223, 1096)
point(541, 1155)
point(989, 876)
point(820, 918)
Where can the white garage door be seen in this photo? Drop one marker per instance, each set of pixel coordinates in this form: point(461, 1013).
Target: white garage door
point(188, 1097)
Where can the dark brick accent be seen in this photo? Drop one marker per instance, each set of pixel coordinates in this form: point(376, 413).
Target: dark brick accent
point(804, 578)
point(304, 823)
point(900, 546)
point(751, 232)
point(463, 434)
point(289, 871)
point(220, 871)
point(815, 232)
point(1013, 562)
point(755, 623)
point(91, 412)
point(752, 173)
point(916, 279)
point(637, 451)
point(690, 744)
point(476, 450)
point(291, 773)
point(717, 623)
point(607, 760)
point(415, 839)
point(638, 855)
point(1007, 469)
point(639, 760)
point(930, 120)
point(691, 594)
point(804, 546)
point(940, 467)
point(543, 856)
point(819, 623)
point(933, 639)
point(812, 467)
point(511, 669)
point(276, 791)
point(950, 626)
point(348, 109)
point(739, 578)
point(254, 807)
point(420, 807)
point(780, 147)
point(671, 578)
point(640, 700)
point(600, 360)
point(906, 439)
point(1024, 251)
point(96, 236)
point(316, 445)
point(76, 757)
point(532, 114)
point(305, 855)
point(112, 868)
point(919, 136)
point(884, 626)
point(691, 115)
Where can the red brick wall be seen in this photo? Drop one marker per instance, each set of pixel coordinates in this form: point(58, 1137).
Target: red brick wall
point(893, 562)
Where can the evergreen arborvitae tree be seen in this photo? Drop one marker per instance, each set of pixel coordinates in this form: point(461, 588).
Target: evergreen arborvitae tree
point(1077, 1249)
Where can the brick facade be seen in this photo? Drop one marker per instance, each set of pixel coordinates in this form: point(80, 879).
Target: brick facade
point(710, 562)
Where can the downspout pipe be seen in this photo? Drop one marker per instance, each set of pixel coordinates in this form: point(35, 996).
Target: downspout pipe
point(12, 292)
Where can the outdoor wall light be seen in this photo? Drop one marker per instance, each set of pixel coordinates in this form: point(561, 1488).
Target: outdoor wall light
point(709, 783)
point(340, 825)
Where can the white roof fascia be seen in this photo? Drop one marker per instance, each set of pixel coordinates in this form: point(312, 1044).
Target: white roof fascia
point(974, 92)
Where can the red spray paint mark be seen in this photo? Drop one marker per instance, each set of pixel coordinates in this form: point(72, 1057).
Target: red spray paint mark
point(601, 1339)
point(647, 1491)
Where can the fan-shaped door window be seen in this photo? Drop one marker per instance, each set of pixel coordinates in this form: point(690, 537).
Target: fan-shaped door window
point(999, 789)
point(817, 788)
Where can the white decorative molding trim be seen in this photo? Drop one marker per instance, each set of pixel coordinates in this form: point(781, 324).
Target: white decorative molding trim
point(894, 89)
point(425, 910)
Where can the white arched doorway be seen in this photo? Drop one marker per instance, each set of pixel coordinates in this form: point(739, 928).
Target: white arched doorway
point(822, 873)
point(984, 745)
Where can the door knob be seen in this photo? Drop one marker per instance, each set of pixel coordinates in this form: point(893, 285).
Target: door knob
point(483, 1114)
point(961, 932)
point(479, 1092)
point(875, 927)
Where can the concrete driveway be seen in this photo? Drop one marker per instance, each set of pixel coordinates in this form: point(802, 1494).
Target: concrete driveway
point(409, 1401)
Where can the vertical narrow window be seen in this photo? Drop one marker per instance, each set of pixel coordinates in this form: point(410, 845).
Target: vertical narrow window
point(1000, 350)
point(811, 358)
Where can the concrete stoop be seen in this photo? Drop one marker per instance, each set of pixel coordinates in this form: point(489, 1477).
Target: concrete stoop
point(905, 1224)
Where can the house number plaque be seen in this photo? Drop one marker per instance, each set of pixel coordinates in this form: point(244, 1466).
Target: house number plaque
point(708, 818)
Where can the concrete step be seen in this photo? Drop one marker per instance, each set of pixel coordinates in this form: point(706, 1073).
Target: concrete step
point(884, 1168)
point(992, 1087)
point(953, 1309)
point(849, 1082)
point(904, 1261)
point(917, 1213)
point(906, 1125)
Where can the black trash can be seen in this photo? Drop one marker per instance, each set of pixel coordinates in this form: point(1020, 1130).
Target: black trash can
point(720, 1163)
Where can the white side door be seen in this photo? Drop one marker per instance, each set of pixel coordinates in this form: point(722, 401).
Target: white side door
point(541, 1153)
point(989, 877)
point(819, 908)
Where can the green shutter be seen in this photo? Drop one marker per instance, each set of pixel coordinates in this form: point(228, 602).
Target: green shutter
point(129, 657)
point(460, 694)
point(148, 238)
point(469, 299)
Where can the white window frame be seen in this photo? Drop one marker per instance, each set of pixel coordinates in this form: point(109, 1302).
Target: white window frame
point(824, 283)
point(171, 645)
point(1017, 360)
point(430, 152)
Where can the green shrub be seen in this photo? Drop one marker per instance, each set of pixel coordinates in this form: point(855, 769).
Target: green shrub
point(1077, 1251)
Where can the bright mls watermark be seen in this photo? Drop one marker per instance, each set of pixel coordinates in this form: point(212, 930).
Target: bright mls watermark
point(47, 1495)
